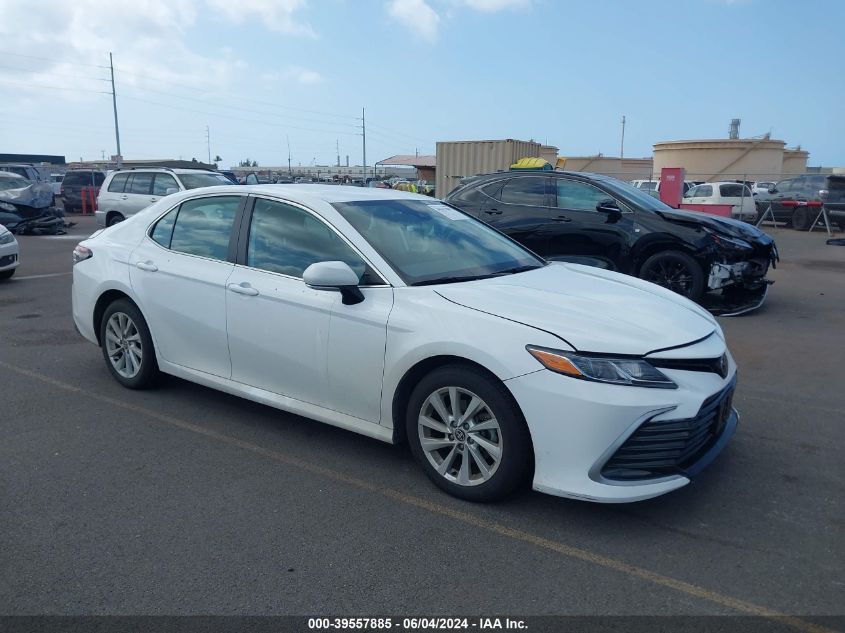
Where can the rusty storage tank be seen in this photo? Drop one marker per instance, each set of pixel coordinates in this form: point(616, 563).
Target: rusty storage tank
point(459, 159)
point(722, 159)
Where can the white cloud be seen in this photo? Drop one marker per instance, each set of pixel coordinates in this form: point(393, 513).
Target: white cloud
point(491, 6)
point(295, 73)
point(276, 15)
point(416, 15)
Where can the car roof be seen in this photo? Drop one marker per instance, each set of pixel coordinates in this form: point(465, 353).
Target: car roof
point(330, 193)
point(10, 174)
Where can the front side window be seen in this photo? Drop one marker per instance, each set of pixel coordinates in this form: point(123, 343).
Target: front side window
point(704, 191)
point(529, 190)
point(118, 183)
point(430, 242)
point(285, 239)
point(141, 184)
point(162, 183)
point(578, 196)
point(203, 226)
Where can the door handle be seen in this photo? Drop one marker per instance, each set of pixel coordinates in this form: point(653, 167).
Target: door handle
point(148, 266)
point(243, 288)
point(561, 218)
point(493, 212)
point(153, 199)
point(124, 197)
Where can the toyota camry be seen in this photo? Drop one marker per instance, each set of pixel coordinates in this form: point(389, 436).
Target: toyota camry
point(397, 316)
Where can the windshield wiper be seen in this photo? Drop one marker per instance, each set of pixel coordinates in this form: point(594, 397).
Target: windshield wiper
point(451, 280)
point(518, 269)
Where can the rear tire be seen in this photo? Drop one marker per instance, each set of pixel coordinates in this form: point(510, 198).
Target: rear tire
point(476, 448)
point(127, 345)
point(114, 218)
point(801, 219)
point(675, 271)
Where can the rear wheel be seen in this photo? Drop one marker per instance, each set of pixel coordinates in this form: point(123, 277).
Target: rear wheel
point(114, 218)
point(801, 219)
point(468, 434)
point(676, 271)
point(127, 345)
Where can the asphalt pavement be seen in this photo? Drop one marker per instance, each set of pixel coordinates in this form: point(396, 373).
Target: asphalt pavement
point(184, 500)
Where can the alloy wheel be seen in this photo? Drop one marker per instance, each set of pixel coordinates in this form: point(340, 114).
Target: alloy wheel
point(460, 436)
point(671, 274)
point(123, 345)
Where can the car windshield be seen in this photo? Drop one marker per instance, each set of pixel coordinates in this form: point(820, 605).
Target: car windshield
point(431, 242)
point(648, 185)
point(9, 182)
point(195, 181)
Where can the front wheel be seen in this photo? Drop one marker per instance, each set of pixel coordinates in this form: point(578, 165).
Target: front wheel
point(676, 271)
point(127, 345)
point(7, 274)
point(468, 434)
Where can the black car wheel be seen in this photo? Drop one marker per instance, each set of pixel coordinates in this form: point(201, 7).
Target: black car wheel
point(115, 218)
point(801, 219)
point(676, 271)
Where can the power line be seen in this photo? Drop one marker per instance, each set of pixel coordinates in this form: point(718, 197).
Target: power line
point(41, 72)
point(32, 85)
point(52, 59)
point(229, 116)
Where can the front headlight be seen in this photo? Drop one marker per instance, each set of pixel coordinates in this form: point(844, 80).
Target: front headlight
point(634, 372)
point(7, 238)
point(729, 243)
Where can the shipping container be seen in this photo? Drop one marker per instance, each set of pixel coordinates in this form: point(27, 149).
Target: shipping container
point(460, 159)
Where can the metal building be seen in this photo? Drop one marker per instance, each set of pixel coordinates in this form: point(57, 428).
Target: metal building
point(459, 159)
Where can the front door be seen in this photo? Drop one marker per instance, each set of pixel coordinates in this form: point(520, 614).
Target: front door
point(581, 233)
point(518, 206)
point(296, 341)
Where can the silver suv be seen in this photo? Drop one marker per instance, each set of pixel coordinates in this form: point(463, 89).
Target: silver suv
point(127, 191)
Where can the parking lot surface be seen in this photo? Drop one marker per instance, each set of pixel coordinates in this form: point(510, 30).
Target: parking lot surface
point(184, 500)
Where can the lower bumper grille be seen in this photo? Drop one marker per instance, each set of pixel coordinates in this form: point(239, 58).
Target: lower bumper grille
point(7, 260)
point(668, 447)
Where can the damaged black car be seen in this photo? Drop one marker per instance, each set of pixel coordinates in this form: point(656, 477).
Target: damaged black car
point(596, 220)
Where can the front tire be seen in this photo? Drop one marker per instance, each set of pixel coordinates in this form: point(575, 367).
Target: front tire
point(675, 271)
point(127, 345)
point(468, 434)
point(7, 274)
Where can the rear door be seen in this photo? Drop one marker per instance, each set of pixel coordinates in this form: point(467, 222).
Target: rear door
point(519, 207)
point(138, 193)
point(179, 274)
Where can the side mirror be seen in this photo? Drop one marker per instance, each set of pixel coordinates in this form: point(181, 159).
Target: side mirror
point(334, 276)
point(773, 189)
point(607, 206)
point(171, 190)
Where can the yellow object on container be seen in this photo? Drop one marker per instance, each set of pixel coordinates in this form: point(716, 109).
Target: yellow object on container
point(531, 163)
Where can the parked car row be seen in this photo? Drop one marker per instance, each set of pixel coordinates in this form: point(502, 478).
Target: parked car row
point(798, 201)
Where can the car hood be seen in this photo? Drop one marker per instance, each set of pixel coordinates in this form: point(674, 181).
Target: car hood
point(719, 224)
point(593, 310)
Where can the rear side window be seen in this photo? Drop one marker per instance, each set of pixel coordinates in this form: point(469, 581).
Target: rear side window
point(734, 191)
point(118, 182)
point(99, 178)
point(163, 229)
point(529, 190)
point(203, 226)
point(141, 183)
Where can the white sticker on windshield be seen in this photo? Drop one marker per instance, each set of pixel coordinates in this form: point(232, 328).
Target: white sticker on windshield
point(449, 212)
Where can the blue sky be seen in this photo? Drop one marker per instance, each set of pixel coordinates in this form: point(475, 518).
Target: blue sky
point(259, 72)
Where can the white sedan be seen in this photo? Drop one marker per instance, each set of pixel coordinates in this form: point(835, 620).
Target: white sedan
point(9, 255)
point(396, 316)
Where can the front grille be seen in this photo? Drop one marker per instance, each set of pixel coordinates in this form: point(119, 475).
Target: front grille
point(8, 259)
point(668, 447)
point(713, 365)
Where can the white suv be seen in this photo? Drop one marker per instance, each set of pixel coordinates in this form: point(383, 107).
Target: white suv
point(127, 191)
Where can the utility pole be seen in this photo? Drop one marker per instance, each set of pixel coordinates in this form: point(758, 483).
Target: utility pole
point(208, 142)
point(622, 146)
point(290, 171)
point(114, 104)
point(364, 135)
point(337, 147)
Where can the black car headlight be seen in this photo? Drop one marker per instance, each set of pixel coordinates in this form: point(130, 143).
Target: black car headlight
point(729, 243)
point(634, 372)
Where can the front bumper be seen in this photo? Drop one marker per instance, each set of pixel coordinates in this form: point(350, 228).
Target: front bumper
point(577, 427)
point(9, 257)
